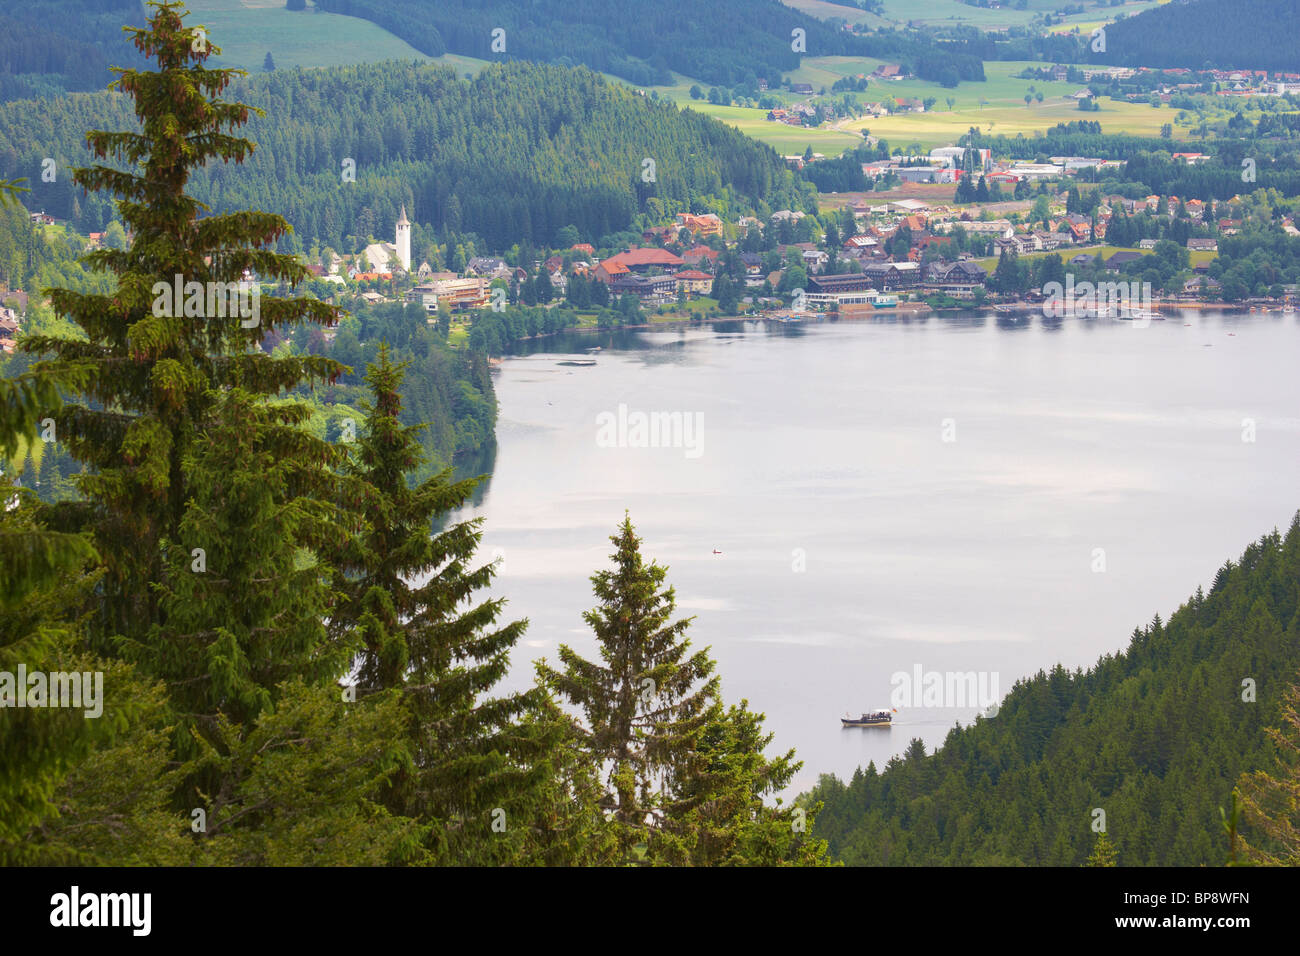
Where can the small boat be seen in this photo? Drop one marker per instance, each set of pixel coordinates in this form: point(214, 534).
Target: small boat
point(872, 718)
point(1148, 315)
point(578, 363)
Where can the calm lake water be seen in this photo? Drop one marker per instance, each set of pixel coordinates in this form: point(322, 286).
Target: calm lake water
point(941, 494)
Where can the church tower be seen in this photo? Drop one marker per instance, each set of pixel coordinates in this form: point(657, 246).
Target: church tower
point(404, 240)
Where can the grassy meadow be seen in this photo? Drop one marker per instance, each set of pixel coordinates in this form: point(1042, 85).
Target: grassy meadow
point(995, 106)
point(953, 13)
point(246, 30)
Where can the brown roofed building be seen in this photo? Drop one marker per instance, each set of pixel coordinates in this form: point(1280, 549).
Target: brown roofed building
point(642, 260)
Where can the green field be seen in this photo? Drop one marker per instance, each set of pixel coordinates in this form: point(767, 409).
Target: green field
point(246, 30)
point(952, 13)
point(995, 106)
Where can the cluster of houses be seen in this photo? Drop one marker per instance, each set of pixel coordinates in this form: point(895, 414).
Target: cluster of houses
point(10, 323)
point(1231, 82)
point(945, 165)
point(1238, 82)
point(674, 261)
point(651, 273)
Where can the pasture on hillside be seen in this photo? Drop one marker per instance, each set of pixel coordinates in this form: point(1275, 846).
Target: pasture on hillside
point(995, 106)
point(246, 30)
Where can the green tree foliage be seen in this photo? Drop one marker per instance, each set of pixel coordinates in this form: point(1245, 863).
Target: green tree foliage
point(1270, 797)
point(1256, 262)
point(299, 788)
point(685, 778)
point(563, 148)
point(663, 37)
point(185, 456)
point(432, 643)
point(449, 390)
point(643, 709)
point(1103, 854)
point(241, 600)
point(49, 46)
point(1209, 33)
point(227, 568)
point(720, 816)
point(149, 377)
point(37, 629)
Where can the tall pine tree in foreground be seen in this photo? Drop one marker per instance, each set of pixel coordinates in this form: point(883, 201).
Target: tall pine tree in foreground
point(685, 777)
point(643, 703)
point(209, 508)
point(75, 789)
point(481, 763)
point(148, 371)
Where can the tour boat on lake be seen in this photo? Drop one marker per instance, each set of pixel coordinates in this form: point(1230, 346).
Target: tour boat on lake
point(1149, 315)
point(872, 718)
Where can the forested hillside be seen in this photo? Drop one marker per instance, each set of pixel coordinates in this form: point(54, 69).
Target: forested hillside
point(513, 155)
point(48, 46)
point(723, 42)
point(1156, 736)
point(1227, 34)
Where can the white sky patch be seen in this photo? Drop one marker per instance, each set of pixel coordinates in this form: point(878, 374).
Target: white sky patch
point(911, 632)
point(806, 639)
point(704, 604)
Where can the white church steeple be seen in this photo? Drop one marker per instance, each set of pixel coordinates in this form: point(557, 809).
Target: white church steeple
point(404, 240)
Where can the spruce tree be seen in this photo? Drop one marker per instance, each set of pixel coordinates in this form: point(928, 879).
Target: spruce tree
point(408, 599)
point(210, 508)
point(45, 576)
point(299, 787)
point(242, 596)
point(721, 817)
point(39, 573)
point(1103, 852)
point(643, 705)
point(146, 379)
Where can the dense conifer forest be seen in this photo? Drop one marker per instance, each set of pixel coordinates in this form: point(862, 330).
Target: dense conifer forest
point(51, 46)
point(1201, 34)
point(725, 42)
point(515, 154)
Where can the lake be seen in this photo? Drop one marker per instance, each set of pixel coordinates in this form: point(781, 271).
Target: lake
point(971, 495)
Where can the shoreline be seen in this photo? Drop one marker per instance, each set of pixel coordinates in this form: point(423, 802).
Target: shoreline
point(910, 309)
